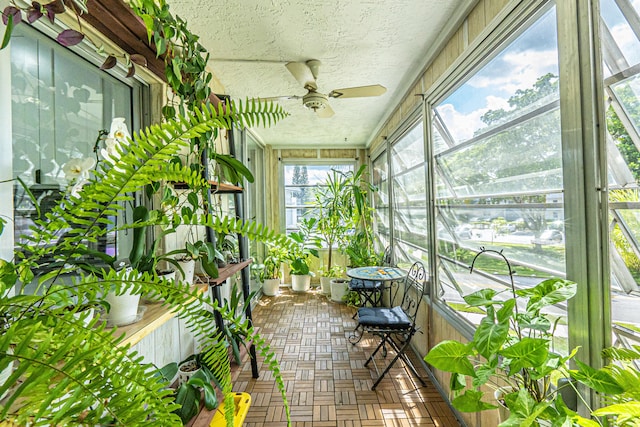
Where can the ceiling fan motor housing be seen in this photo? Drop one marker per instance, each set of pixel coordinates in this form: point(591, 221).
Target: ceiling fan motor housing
point(315, 101)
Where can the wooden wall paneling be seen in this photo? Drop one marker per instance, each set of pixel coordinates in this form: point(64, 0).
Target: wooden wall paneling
point(492, 8)
point(146, 348)
point(308, 153)
point(167, 338)
point(187, 341)
point(476, 22)
point(338, 153)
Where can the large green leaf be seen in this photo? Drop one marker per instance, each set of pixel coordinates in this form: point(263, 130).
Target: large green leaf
point(629, 409)
point(481, 298)
point(490, 336)
point(471, 401)
point(547, 293)
point(526, 353)
point(451, 356)
point(598, 379)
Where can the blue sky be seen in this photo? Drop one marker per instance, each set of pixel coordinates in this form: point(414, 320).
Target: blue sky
point(530, 56)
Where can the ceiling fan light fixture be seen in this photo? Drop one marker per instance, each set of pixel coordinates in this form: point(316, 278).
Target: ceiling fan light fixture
point(315, 101)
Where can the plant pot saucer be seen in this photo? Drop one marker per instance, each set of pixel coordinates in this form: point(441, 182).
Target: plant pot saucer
point(139, 316)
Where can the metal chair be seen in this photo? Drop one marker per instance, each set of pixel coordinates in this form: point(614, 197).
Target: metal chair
point(396, 325)
point(370, 291)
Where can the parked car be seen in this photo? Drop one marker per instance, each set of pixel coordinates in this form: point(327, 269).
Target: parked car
point(464, 231)
point(549, 237)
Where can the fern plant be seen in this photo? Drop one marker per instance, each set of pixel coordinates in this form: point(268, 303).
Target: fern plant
point(69, 373)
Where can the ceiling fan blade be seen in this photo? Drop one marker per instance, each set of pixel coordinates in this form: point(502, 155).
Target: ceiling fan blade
point(278, 98)
point(358, 92)
point(303, 74)
point(326, 112)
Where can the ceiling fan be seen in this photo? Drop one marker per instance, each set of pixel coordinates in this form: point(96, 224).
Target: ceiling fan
point(306, 74)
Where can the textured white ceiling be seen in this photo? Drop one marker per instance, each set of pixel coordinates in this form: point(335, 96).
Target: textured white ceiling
point(359, 42)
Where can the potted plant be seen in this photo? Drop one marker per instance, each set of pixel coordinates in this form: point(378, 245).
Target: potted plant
point(195, 379)
point(200, 251)
point(339, 288)
point(272, 272)
point(306, 247)
point(326, 275)
point(226, 246)
point(512, 349)
point(332, 208)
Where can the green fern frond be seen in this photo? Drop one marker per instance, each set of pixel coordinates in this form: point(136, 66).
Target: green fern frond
point(73, 374)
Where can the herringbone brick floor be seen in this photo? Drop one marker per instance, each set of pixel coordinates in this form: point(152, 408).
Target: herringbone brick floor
point(326, 381)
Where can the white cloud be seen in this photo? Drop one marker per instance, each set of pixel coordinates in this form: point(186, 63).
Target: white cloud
point(627, 40)
point(517, 70)
point(463, 126)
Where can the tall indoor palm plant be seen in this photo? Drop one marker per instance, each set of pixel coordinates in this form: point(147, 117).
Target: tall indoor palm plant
point(71, 374)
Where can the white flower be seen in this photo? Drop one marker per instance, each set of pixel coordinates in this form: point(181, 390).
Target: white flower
point(119, 130)
point(78, 168)
point(77, 173)
point(116, 140)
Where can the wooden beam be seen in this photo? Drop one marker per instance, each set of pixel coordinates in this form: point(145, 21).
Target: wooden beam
point(116, 20)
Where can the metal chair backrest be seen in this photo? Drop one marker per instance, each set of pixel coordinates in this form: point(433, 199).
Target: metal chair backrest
point(387, 257)
point(413, 288)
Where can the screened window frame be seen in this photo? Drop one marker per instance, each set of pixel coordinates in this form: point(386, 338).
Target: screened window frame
point(303, 162)
point(519, 18)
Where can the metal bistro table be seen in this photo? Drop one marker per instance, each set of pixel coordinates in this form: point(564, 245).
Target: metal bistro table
point(369, 282)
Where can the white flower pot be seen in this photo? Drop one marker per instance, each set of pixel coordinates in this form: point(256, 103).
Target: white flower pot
point(325, 285)
point(123, 308)
point(186, 370)
point(339, 288)
point(300, 282)
point(270, 287)
point(188, 267)
point(4, 376)
point(503, 411)
point(86, 315)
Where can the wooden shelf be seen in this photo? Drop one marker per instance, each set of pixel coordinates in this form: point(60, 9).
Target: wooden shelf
point(155, 316)
point(216, 187)
point(225, 272)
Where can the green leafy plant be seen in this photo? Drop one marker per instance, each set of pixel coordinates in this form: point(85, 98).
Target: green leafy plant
point(332, 204)
point(275, 256)
point(619, 385)
point(307, 246)
point(70, 374)
point(512, 349)
point(335, 271)
point(200, 251)
point(188, 393)
point(352, 299)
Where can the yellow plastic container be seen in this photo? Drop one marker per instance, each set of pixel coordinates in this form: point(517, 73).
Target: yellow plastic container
point(242, 403)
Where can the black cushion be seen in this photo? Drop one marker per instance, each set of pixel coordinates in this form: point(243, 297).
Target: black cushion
point(393, 318)
point(364, 285)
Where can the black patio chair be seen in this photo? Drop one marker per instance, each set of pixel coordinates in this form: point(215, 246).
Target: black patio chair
point(370, 291)
point(395, 325)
